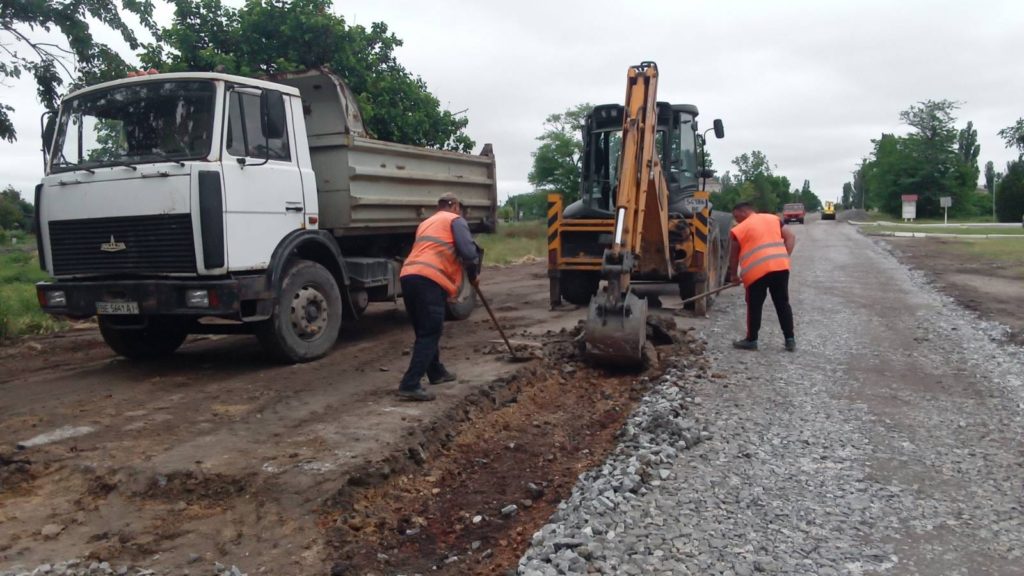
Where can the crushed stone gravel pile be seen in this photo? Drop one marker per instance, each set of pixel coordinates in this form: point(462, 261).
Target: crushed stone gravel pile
point(890, 442)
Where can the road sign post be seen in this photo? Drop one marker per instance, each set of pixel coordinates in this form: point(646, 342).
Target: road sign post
point(945, 202)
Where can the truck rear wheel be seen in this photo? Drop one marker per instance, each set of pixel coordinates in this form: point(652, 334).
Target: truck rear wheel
point(579, 286)
point(307, 315)
point(160, 337)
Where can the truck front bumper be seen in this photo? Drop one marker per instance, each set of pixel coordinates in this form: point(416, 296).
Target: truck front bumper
point(188, 297)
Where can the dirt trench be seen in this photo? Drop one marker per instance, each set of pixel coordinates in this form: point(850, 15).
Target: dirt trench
point(468, 495)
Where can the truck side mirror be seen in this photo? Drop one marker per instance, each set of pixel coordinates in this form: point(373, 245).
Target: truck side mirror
point(272, 116)
point(719, 129)
point(706, 173)
point(47, 124)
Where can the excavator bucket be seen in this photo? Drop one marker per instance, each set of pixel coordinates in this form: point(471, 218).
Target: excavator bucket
point(615, 332)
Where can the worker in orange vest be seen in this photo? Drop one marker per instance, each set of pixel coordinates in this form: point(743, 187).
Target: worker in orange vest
point(443, 257)
point(761, 245)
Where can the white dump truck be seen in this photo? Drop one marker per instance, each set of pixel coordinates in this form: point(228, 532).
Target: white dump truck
point(184, 203)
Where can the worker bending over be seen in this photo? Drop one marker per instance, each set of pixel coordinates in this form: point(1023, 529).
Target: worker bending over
point(442, 254)
point(761, 245)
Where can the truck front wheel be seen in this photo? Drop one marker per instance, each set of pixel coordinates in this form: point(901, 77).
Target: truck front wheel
point(160, 337)
point(307, 315)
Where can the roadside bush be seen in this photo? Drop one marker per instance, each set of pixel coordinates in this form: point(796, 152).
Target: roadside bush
point(1010, 194)
point(19, 310)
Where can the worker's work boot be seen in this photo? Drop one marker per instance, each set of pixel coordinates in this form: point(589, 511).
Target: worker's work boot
point(446, 377)
point(419, 395)
point(791, 344)
point(745, 344)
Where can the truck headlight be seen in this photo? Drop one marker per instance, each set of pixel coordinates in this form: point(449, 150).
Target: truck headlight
point(55, 298)
point(197, 298)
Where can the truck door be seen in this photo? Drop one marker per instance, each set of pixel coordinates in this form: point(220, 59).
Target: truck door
point(262, 185)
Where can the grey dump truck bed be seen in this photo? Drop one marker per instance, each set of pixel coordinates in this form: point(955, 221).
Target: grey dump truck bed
point(367, 186)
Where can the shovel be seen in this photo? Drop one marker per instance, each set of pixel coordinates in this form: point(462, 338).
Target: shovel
point(710, 292)
point(511, 351)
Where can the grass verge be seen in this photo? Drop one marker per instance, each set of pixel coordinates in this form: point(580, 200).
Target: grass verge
point(1009, 251)
point(514, 242)
point(19, 310)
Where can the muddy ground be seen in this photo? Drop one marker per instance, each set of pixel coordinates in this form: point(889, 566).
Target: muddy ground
point(217, 455)
point(992, 288)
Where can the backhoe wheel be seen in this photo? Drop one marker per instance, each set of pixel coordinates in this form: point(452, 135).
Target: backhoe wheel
point(307, 315)
point(579, 286)
point(463, 304)
point(712, 275)
point(160, 337)
point(688, 288)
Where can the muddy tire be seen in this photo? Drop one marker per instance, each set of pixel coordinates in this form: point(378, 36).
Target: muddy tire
point(462, 306)
point(579, 286)
point(712, 275)
point(307, 315)
point(160, 337)
point(688, 288)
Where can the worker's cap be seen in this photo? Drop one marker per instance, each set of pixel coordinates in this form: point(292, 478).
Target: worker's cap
point(448, 199)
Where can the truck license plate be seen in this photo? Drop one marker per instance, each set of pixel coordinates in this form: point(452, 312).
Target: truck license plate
point(117, 307)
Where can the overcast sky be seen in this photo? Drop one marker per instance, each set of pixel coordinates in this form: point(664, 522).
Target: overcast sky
point(809, 83)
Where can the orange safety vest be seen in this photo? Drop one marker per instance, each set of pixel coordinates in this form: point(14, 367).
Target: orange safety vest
point(762, 249)
point(433, 253)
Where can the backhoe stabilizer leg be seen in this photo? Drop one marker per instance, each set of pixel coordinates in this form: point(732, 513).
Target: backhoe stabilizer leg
point(616, 329)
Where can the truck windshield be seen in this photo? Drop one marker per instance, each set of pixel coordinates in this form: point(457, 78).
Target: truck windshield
point(135, 124)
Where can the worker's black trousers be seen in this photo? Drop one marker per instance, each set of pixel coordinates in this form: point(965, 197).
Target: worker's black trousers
point(778, 284)
point(425, 304)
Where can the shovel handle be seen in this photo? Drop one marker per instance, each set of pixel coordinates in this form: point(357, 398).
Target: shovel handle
point(480, 295)
point(710, 292)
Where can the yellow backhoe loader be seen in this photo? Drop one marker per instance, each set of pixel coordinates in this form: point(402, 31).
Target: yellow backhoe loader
point(641, 218)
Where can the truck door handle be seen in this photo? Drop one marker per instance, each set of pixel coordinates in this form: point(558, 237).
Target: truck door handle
point(293, 208)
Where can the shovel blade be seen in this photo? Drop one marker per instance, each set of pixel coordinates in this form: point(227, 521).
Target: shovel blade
point(615, 334)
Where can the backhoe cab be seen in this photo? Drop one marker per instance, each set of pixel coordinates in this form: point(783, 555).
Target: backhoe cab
point(642, 217)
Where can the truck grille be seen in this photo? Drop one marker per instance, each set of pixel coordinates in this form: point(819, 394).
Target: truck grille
point(131, 245)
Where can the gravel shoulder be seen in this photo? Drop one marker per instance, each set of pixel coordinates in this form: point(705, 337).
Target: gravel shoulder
point(890, 442)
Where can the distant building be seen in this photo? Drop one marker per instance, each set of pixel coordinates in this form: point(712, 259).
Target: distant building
point(712, 185)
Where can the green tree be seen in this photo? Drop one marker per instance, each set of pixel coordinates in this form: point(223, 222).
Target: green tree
point(15, 212)
point(808, 198)
point(757, 184)
point(266, 37)
point(83, 60)
point(847, 200)
point(1014, 136)
point(935, 159)
point(990, 177)
point(556, 162)
point(1010, 194)
point(530, 206)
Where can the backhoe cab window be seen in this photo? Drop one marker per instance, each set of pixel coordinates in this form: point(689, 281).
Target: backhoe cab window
point(245, 135)
point(135, 124)
point(683, 161)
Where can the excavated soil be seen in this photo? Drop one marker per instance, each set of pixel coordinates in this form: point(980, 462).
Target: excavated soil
point(478, 490)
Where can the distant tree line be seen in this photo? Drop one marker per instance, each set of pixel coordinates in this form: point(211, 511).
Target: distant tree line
point(936, 159)
point(755, 182)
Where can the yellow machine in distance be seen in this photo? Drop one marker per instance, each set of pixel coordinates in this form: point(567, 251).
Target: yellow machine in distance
point(829, 211)
point(641, 218)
